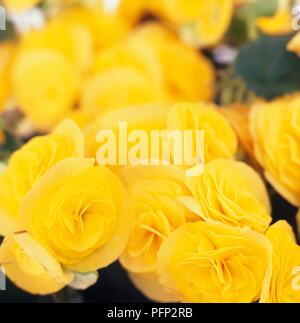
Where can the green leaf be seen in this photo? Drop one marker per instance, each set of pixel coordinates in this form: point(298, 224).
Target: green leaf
point(237, 33)
point(258, 9)
point(243, 25)
point(9, 33)
point(268, 68)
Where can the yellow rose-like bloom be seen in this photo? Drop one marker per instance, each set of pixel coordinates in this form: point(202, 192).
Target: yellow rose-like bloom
point(153, 33)
point(28, 164)
point(188, 75)
point(81, 118)
point(146, 118)
point(230, 192)
point(284, 287)
point(31, 267)
point(133, 53)
point(72, 39)
point(220, 139)
point(6, 60)
point(154, 191)
point(275, 131)
point(19, 5)
point(201, 23)
point(45, 85)
point(132, 10)
point(118, 88)
point(106, 29)
point(238, 116)
point(80, 213)
point(213, 262)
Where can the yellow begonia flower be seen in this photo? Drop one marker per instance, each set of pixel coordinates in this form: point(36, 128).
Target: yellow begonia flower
point(294, 44)
point(28, 164)
point(6, 61)
point(20, 5)
point(31, 267)
point(145, 117)
point(230, 192)
point(106, 29)
point(80, 118)
point(187, 74)
point(284, 287)
point(132, 10)
point(201, 23)
point(153, 33)
point(238, 116)
point(154, 191)
point(80, 213)
point(213, 262)
point(133, 53)
point(118, 88)
point(275, 131)
point(219, 138)
point(279, 24)
point(45, 85)
point(73, 40)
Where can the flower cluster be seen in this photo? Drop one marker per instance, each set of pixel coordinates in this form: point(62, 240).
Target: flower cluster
point(209, 237)
point(62, 216)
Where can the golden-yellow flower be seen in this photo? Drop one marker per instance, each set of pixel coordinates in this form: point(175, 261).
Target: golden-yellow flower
point(276, 136)
point(133, 88)
point(154, 34)
point(213, 262)
point(106, 29)
point(135, 52)
point(81, 118)
point(285, 283)
point(238, 116)
point(19, 5)
point(201, 23)
point(6, 59)
point(45, 86)
point(28, 164)
point(230, 192)
point(219, 137)
point(73, 39)
point(80, 213)
point(31, 267)
point(154, 191)
point(188, 75)
point(144, 117)
point(132, 10)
